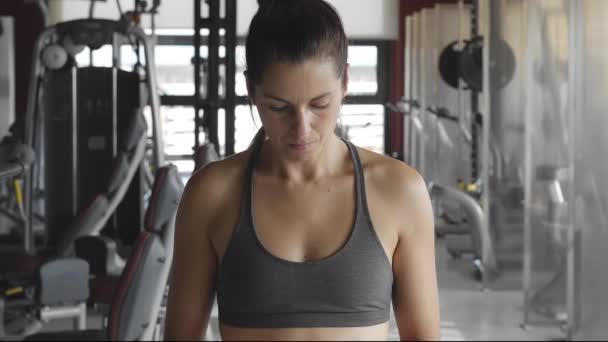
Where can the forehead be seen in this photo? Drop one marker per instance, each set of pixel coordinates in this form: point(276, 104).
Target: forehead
point(299, 79)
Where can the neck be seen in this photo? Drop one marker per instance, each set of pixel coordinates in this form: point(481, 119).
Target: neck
point(326, 160)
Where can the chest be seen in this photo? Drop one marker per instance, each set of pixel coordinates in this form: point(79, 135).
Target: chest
point(307, 223)
point(302, 223)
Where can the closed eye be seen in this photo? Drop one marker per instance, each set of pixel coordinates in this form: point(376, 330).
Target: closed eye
point(279, 109)
point(319, 106)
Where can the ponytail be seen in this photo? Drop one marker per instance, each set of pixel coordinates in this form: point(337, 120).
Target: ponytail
point(258, 140)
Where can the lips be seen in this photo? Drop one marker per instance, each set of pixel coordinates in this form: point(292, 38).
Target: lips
point(301, 142)
point(300, 146)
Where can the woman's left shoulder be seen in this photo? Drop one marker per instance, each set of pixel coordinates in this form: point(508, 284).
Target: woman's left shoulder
point(399, 193)
point(392, 177)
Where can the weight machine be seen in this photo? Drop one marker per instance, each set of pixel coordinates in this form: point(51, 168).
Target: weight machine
point(92, 169)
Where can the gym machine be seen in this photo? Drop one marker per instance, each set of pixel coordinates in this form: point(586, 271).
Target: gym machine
point(90, 136)
point(438, 138)
point(488, 244)
point(137, 298)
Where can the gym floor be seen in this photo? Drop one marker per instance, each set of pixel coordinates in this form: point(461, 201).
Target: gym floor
point(467, 314)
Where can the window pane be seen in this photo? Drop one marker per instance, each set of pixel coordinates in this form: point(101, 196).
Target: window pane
point(221, 130)
point(184, 168)
point(363, 62)
point(245, 127)
point(170, 32)
point(102, 57)
point(128, 57)
point(178, 135)
point(364, 126)
point(175, 70)
point(363, 78)
point(240, 85)
point(178, 129)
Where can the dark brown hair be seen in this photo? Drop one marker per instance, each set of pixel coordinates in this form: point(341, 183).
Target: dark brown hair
point(292, 31)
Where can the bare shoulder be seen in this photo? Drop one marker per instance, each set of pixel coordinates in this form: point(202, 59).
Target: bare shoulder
point(394, 178)
point(216, 175)
point(212, 189)
point(399, 188)
point(206, 201)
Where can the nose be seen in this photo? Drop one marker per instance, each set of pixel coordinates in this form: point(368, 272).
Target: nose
point(300, 126)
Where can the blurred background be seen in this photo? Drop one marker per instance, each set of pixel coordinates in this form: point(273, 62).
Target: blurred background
point(499, 105)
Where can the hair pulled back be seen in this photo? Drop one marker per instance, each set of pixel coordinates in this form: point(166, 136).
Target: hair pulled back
point(292, 31)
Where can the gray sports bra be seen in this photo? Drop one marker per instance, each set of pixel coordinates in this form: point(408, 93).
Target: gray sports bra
point(350, 288)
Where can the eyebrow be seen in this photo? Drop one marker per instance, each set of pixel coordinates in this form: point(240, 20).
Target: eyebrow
point(282, 100)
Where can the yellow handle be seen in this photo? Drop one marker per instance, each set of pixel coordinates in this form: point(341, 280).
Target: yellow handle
point(461, 186)
point(472, 187)
point(18, 192)
point(14, 291)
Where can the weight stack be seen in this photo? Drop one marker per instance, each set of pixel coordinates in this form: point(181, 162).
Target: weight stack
point(85, 112)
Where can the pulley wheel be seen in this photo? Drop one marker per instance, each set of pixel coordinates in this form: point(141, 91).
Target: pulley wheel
point(502, 67)
point(471, 64)
point(449, 64)
point(54, 57)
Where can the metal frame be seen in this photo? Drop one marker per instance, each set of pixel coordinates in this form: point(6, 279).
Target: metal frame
point(475, 21)
point(407, 88)
point(212, 102)
point(425, 46)
point(575, 94)
point(32, 118)
point(414, 120)
point(482, 18)
point(77, 312)
point(527, 259)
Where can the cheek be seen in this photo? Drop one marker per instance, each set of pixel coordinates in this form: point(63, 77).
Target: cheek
point(273, 124)
point(324, 120)
point(330, 115)
point(329, 119)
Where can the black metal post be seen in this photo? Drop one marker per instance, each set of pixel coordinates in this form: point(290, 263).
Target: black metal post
point(230, 102)
point(197, 72)
point(474, 102)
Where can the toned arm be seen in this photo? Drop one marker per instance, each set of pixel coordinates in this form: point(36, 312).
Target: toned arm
point(415, 294)
point(194, 263)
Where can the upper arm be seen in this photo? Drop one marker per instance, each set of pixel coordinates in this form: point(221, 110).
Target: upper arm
point(191, 287)
point(415, 294)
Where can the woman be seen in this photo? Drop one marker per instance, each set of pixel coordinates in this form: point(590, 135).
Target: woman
point(303, 236)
